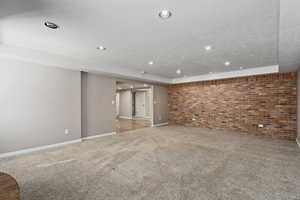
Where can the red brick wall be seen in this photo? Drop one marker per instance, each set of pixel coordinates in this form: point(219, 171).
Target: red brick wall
point(238, 104)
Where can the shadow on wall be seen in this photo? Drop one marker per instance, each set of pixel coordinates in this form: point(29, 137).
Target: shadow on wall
point(15, 7)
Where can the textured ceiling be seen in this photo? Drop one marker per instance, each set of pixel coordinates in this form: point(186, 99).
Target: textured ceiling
point(242, 32)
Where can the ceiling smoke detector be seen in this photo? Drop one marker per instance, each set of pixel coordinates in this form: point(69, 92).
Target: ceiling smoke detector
point(51, 25)
point(165, 14)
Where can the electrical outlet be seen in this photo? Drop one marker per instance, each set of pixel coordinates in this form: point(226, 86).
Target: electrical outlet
point(67, 131)
point(260, 125)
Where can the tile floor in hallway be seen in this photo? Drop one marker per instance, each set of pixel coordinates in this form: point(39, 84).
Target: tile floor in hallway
point(167, 163)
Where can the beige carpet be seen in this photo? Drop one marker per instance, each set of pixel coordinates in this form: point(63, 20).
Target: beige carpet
point(162, 163)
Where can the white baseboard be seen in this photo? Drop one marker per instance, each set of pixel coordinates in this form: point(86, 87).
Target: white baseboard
point(142, 118)
point(298, 142)
point(100, 135)
point(161, 124)
point(125, 117)
point(139, 116)
point(15, 153)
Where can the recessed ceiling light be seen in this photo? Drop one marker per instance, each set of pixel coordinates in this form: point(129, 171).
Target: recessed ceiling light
point(178, 71)
point(208, 48)
point(165, 14)
point(150, 62)
point(51, 25)
point(227, 63)
point(102, 48)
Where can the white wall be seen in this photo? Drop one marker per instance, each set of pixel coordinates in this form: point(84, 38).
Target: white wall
point(100, 112)
point(37, 104)
point(125, 104)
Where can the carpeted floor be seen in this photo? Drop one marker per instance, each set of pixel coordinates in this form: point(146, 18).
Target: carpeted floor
point(162, 163)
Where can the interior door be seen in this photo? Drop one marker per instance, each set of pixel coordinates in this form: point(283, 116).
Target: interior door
point(140, 104)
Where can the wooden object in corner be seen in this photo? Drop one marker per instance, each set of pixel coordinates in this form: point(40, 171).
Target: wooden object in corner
point(9, 188)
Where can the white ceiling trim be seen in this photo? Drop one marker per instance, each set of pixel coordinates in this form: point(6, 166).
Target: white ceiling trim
point(43, 58)
point(232, 74)
point(51, 60)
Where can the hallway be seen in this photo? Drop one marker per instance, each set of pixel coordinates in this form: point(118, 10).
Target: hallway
point(124, 125)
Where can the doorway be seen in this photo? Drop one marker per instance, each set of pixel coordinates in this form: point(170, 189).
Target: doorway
point(133, 106)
